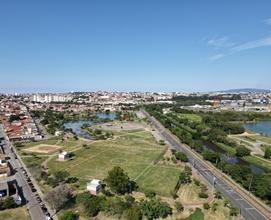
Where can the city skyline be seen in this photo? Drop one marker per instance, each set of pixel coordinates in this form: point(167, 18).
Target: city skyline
point(134, 46)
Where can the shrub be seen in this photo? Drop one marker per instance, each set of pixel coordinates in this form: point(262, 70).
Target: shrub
point(234, 211)
point(197, 182)
point(133, 213)
point(91, 204)
point(203, 195)
point(242, 151)
point(150, 194)
point(206, 206)
point(181, 156)
point(214, 206)
point(155, 209)
point(68, 215)
point(179, 207)
point(7, 203)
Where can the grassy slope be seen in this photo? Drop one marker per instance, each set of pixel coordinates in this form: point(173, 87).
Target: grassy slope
point(226, 148)
point(197, 215)
point(15, 214)
point(262, 138)
point(258, 162)
point(190, 117)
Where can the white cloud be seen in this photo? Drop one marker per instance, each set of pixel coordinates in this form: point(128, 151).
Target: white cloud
point(265, 42)
point(220, 42)
point(216, 57)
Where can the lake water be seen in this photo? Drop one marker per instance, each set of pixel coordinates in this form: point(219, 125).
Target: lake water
point(76, 124)
point(262, 127)
point(232, 159)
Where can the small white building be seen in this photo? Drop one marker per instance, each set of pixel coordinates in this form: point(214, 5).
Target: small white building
point(94, 186)
point(63, 156)
point(58, 133)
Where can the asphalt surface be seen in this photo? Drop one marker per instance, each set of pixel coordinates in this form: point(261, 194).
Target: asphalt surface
point(32, 204)
point(248, 211)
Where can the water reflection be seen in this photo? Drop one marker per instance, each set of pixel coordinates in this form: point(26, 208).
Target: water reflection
point(224, 156)
point(76, 124)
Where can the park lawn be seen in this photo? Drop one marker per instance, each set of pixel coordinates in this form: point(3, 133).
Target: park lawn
point(258, 162)
point(33, 160)
point(50, 141)
point(196, 215)
point(190, 117)
point(135, 152)
point(15, 214)
point(228, 149)
point(262, 138)
point(161, 179)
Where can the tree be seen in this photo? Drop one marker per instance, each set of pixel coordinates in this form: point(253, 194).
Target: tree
point(234, 211)
point(59, 196)
point(185, 176)
point(90, 204)
point(242, 151)
point(68, 215)
point(61, 175)
point(118, 181)
point(218, 195)
point(13, 118)
point(150, 194)
point(206, 206)
point(154, 208)
point(7, 203)
point(214, 206)
point(211, 156)
point(227, 202)
point(181, 156)
point(267, 152)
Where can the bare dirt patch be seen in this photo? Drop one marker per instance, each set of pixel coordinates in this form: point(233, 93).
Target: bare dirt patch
point(44, 148)
point(121, 126)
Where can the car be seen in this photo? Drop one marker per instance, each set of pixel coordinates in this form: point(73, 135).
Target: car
point(33, 190)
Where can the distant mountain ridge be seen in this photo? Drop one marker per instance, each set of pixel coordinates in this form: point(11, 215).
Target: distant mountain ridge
point(246, 90)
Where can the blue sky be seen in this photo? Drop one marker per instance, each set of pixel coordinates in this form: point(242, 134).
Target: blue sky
point(187, 45)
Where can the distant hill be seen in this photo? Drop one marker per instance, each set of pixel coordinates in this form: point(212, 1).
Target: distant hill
point(246, 90)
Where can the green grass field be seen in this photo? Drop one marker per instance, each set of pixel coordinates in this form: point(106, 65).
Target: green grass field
point(15, 214)
point(261, 138)
point(258, 162)
point(190, 117)
point(196, 215)
point(135, 152)
point(230, 150)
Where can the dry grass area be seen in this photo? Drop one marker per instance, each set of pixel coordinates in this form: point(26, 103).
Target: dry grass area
point(43, 148)
point(120, 126)
point(189, 194)
point(15, 214)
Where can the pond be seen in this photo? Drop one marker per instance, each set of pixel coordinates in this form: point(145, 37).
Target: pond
point(262, 127)
point(76, 124)
point(232, 159)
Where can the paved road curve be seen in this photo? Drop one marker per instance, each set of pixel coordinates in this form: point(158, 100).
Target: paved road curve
point(248, 211)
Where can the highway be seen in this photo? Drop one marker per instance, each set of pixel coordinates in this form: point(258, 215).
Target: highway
point(32, 204)
point(236, 196)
